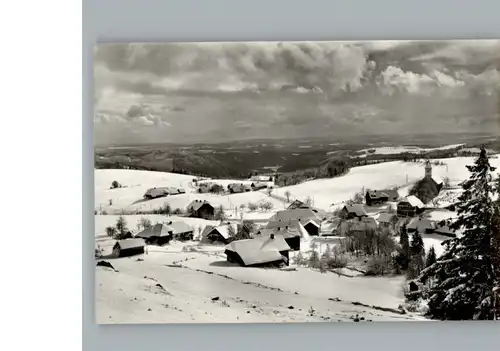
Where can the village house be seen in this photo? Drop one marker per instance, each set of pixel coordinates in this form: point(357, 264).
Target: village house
point(376, 197)
point(385, 219)
point(357, 224)
point(235, 188)
point(205, 187)
point(420, 225)
point(180, 231)
point(258, 186)
point(353, 211)
point(289, 218)
point(410, 206)
point(292, 235)
point(158, 234)
point(220, 233)
point(128, 247)
point(201, 209)
point(259, 251)
point(154, 193)
point(299, 204)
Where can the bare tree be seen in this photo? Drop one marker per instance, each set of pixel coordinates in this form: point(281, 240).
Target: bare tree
point(288, 194)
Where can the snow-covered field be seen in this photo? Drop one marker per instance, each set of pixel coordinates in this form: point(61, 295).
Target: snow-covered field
point(189, 281)
point(393, 150)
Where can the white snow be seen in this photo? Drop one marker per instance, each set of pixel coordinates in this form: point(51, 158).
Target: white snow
point(391, 150)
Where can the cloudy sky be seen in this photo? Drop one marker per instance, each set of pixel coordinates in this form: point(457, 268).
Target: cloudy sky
point(213, 92)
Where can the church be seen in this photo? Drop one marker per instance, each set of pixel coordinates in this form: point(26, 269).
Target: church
point(427, 188)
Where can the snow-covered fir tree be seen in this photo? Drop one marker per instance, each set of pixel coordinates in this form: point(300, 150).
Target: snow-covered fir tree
point(464, 276)
point(431, 257)
point(417, 255)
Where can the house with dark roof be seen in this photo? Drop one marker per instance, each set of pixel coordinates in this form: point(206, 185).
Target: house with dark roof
point(235, 188)
point(375, 197)
point(353, 211)
point(201, 209)
point(357, 224)
point(220, 233)
point(158, 234)
point(289, 218)
point(259, 251)
point(410, 206)
point(128, 247)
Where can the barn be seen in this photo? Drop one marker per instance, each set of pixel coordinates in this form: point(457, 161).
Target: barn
point(291, 235)
point(154, 193)
point(376, 197)
point(410, 206)
point(180, 231)
point(353, 211)
point(235, 188)
point(420, 225)
point(158, 234)
point(219, 233)
point(288, 219)
point(128, 247)
point(260, 251)
point(201, 209)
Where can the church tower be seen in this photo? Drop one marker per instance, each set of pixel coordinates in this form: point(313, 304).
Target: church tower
point(428, 169)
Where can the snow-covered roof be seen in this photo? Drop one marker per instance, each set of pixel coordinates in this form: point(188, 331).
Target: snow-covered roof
point(420, 224)
point(357, 209)
point(259, 250)
point(179, 227)
point(157, 230)
point(446, 230)
point(304, 215)
point(223, 229)
point(385, 217)
point(130, 243)
point(414, 201)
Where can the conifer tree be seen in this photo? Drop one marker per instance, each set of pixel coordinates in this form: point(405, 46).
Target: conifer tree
point(417, 254)
point(431, 257)
point(403, 257)
point(464, 276)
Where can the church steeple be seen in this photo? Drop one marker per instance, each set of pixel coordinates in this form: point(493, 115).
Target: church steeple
point(428, 169)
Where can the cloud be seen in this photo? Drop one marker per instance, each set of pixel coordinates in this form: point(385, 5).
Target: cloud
point(212, 91)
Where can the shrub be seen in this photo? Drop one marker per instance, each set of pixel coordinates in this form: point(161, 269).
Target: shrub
point(252, 206)
point(299, 259)
point(216, 189)
point(115, 185)
point(145, 223)
point(177, 211)
point(288, 194)
point(111, 231)
point(377, 266)
point(266, 206)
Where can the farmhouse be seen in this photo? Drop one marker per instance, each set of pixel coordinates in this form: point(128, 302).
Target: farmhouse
point(292, 236)
point(374, 197)
point(258, 185)
point(420, 225)
point(201, 209)
point(128, 247)
point(289, 218)
point(361, 224)
point(205, 187)
point(239, 188)
point(264, 250)
point(261, 178)
point(158, 234)
point(385, 219)
point(410, 206)
point(219, 233)
point(180, 230)
point(353, 211)
point(154, 193)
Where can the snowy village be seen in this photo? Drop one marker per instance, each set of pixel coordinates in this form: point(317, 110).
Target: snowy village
point(296, 182)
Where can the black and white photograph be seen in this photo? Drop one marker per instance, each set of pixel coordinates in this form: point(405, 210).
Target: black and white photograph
point(312, 181)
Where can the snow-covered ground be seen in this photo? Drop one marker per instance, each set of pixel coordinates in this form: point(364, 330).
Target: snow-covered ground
point(393, 150)
point(189, 281)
